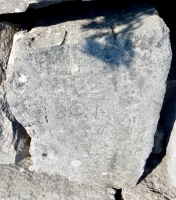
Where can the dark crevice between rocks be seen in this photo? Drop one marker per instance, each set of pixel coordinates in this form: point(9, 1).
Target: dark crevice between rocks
point(152, 162)
point(21, 135)
point(2, 75)
point(71, 10)
point(168, 111)
point(118, 194)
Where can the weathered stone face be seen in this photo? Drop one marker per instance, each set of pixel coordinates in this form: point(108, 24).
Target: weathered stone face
point(16, 6)
point(14, 141)
point(89, 92)
point(7, 32)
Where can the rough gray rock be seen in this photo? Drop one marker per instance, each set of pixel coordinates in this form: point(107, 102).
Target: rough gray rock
point(14, 141)
point(19, 181)
point(171, 154)
point(89, 93)
point(168, 116)
point(7, 32)
point(156, 186)
point(16, 6)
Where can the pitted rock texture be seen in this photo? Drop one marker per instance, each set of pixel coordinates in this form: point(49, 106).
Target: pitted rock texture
point(7, 32)
point(19, 181)
point(16, 6)
point(89, 92)
point(14, 140)
point(156, 186)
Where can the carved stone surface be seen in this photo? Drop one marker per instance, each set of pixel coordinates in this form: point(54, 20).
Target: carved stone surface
point(19, 181)
point(14, 141)
point(16, 6)
point(89, 93)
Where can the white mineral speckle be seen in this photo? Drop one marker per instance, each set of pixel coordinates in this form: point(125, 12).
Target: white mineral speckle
point(76, 163)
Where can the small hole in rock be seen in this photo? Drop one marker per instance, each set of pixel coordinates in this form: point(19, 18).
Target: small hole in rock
point(44, 155)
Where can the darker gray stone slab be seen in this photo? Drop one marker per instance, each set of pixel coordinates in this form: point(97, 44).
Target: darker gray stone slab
point(89, 92)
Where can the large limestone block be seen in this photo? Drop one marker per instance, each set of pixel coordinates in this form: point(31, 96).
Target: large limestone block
point(89, 93)
point(16, 6)
point(19, 181)
point(14, 140)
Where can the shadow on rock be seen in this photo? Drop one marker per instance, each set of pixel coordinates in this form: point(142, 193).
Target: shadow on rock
point(168, 111)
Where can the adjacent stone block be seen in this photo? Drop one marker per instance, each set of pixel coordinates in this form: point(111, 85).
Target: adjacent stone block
point(14, 140)
point(156, 186)
point(168, 116)
point(16, 6)
point(171, 161)
point(89, 92)
point(19, 181)
point(7, 32)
